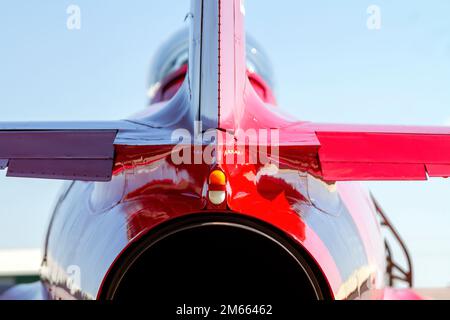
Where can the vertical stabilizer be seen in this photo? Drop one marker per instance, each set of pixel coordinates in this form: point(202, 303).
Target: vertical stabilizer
point(217, 63)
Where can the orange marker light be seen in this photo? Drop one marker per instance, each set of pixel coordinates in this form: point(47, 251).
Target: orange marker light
point(217, 178)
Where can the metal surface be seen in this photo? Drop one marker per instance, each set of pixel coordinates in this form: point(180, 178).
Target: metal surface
point(147, 191)
point(394, 153)
point(81, 144)
point(69, 154)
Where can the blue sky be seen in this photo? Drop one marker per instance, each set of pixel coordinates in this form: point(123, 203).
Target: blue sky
point(329, 67)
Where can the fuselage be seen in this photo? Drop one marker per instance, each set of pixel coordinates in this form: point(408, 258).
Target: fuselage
point(96, 224)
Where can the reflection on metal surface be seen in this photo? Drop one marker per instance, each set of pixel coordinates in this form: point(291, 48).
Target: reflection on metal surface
point(359, 281)
point(324, 196)
point(104, 196)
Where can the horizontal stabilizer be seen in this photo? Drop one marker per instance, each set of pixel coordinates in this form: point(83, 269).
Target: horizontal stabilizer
point(68, 154)
point(358, 152)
